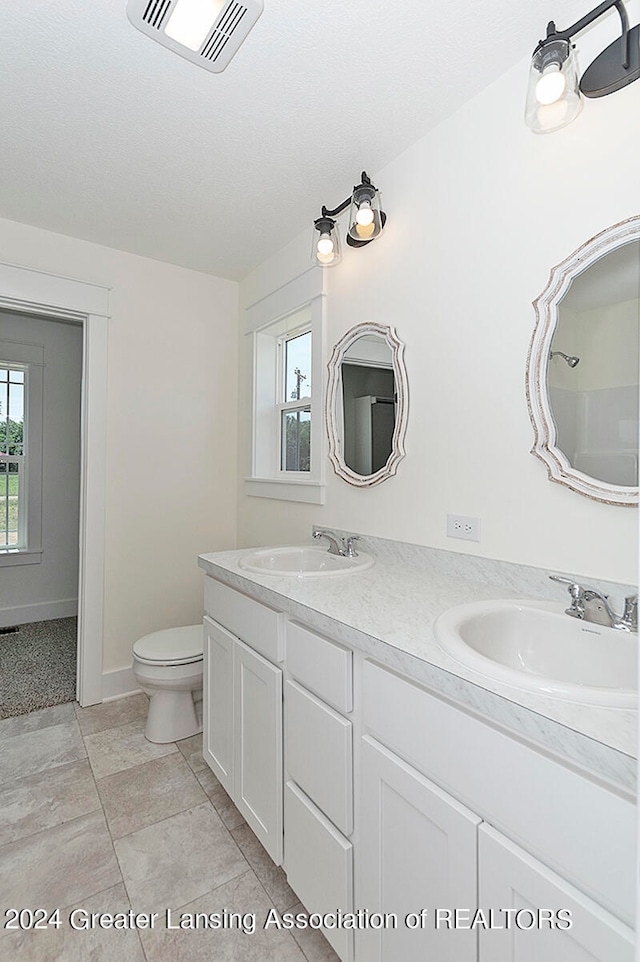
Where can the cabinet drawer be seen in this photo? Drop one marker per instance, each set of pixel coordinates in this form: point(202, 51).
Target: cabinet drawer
point(319, 864)
point(256, 624)
point(581, 830)
point(321, 666)
point(318, 752)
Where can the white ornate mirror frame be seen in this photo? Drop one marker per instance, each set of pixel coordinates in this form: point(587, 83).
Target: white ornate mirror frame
point(546, 308)
point(334, 406)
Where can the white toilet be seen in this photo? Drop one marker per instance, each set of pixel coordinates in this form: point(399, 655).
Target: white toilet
point(168, 667)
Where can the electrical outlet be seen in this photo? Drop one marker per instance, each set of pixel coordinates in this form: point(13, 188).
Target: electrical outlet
point(459, 526)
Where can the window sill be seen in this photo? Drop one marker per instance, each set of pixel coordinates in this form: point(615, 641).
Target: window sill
point(19, 556)
point(311, 492)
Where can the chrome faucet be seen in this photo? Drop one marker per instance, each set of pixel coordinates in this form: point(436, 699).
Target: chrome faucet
point(337, 545)
point(589, 605)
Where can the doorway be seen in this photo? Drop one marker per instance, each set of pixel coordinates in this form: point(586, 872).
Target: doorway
point(40, 405)
point(33, 292)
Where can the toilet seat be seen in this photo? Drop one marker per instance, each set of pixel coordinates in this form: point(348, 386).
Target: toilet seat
point(172, 646)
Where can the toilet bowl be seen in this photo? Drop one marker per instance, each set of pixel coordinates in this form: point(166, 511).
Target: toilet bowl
point(168, 667)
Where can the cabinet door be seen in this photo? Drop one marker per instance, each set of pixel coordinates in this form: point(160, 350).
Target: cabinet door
point(258, 746)
point(511, 878)
point(217, 738)
point(418, 851)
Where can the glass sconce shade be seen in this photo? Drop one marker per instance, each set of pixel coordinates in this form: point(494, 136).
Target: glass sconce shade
point(553, 95)
point(325, 249)
point(366, 220)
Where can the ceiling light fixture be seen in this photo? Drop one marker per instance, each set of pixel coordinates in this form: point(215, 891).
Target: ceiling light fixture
point(366, 221)
point(554, 93)
point(206, 32)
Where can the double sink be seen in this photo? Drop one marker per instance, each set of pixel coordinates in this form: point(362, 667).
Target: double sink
point(526, 644)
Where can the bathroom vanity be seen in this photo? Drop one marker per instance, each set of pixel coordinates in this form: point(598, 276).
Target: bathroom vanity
point(455, 822)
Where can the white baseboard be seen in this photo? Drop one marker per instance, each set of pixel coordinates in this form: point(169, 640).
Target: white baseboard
point(47, 611)
point(119, 684)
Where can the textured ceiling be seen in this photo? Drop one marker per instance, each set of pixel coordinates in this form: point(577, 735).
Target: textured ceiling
point(108, 136)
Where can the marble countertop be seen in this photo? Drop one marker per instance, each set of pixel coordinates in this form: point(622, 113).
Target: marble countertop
point(388, 611)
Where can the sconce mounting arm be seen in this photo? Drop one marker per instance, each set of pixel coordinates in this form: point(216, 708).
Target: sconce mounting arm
point(616, 66)
point(579, 25)
point(365, 182)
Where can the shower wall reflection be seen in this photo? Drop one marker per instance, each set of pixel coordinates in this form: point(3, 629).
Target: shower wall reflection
point(595, 398)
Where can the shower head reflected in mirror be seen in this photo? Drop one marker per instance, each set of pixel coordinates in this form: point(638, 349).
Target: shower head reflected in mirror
point(571, 360)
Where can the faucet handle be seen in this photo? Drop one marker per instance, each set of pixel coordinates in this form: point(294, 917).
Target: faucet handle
point(575, 590)
point(577, 593)
point(630, 615)
point(350, 551)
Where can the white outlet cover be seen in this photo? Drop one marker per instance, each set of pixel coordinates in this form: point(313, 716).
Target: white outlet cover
point(464, 527)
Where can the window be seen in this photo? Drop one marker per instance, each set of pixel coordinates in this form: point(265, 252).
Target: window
point(288, 445)
point(21, 368)
point(294, 355)
point(12, 461)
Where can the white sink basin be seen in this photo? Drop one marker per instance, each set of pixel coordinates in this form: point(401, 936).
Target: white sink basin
point(535, 646)
point(304, 561)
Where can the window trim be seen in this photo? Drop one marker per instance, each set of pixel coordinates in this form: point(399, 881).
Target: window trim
point(30, 357)
point(295, 307)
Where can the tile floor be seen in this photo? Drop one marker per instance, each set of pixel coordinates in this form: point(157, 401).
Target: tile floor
point(95, 818)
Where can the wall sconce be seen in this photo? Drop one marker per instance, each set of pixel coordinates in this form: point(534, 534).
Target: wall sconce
point(554, 93)
point(366, 221)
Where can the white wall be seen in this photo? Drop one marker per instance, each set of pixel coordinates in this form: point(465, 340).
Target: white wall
point(479, 210)
point(171, 433)
point(50, 589)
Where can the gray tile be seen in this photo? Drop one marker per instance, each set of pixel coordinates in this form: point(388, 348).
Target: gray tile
point(35, 720)
point(191, 748)
point(312, 941)
point(146, 794)
point(60, 865)
point(270, 875)
point(40, 749)
point(117, 749)
point(175, 861)
point(243, 896)
point(220, 800)
point(31, 804)
point(111, 714)
point(209, 781)
point(67, 944)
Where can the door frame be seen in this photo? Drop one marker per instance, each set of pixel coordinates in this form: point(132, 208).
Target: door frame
point(28, 291)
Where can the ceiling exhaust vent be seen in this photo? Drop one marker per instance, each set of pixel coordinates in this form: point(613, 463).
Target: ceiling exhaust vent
point(206, 32)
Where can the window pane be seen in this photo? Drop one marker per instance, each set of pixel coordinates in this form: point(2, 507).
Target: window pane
point(297, 367)
point(16, 418)
point(296, 437)
point(11, 412)
point(9, 493)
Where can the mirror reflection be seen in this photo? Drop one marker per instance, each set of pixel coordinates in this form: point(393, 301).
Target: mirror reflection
point(593, 368)
point(368, 404)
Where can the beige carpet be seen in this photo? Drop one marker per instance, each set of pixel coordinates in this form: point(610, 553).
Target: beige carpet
point(37, 666)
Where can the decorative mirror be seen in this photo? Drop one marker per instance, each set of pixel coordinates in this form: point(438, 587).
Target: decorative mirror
point(367, 400)
point(582, 370)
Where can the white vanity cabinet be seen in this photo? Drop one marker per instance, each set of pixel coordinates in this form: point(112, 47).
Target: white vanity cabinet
point(379, 795)
point(242, 730)
point(447, 799)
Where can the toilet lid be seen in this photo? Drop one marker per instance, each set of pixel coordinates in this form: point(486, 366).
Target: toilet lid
point(173, 645)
